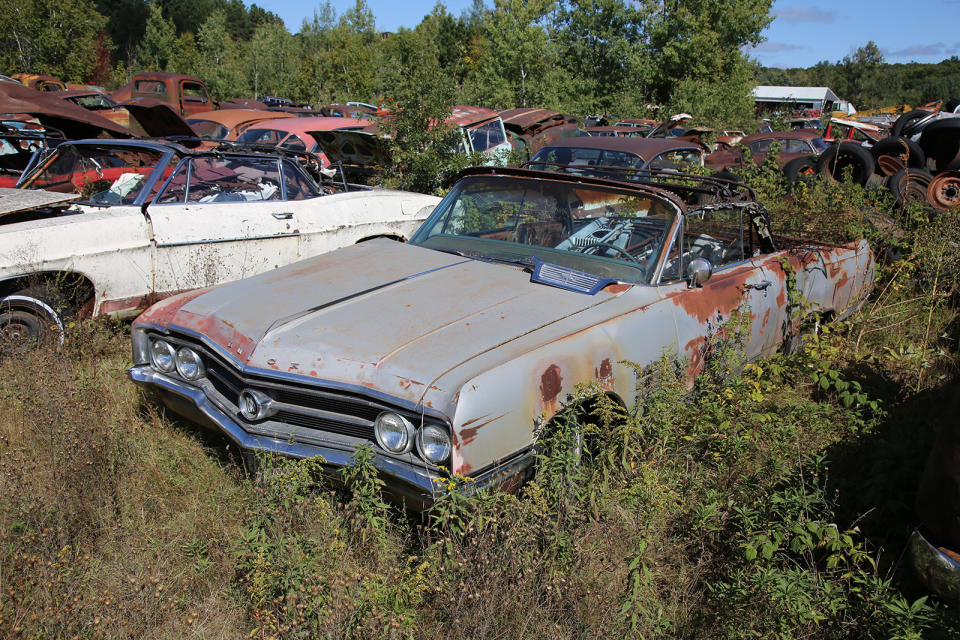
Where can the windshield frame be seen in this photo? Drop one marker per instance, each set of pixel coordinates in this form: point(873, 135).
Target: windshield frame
point(662, 225)
point(146, 189)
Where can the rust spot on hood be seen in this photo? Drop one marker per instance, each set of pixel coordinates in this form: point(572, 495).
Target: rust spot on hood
point(469, 435)
point(551, 382)
point(604, 374)
point(163, 312)
point(219, 332)
point(617, 287)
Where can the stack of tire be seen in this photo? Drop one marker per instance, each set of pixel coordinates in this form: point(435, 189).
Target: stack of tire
point(919, 161)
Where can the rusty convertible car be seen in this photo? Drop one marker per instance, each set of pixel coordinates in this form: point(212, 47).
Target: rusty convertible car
point(446, 353)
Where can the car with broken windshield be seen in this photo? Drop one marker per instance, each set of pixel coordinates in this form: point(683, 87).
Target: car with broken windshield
point(452, 353)
point(110, 226)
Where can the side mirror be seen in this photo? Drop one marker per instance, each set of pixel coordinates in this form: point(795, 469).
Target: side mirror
point(698, 272)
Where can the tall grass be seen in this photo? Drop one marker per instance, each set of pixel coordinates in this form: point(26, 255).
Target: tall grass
point(772, 501)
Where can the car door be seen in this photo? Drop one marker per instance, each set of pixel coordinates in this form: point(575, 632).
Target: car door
point(219, 219)
point(723, 237)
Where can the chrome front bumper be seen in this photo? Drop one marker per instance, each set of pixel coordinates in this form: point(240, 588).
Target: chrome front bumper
point(411, 486)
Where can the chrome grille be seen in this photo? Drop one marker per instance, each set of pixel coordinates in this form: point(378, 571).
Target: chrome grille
point(299, 406)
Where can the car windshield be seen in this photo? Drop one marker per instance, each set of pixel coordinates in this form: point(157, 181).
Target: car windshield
point(100, 174)
point(223, 179)
point(604, 231)
point(208, 128)
point(487, 135)
point(591, 162)
point(94, 101)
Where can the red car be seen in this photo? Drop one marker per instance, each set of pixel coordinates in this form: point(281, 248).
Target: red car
point(793, 144)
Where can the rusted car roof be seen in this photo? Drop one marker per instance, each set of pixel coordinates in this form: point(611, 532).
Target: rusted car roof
point(526, 121)
point(646, 148)
point(72, 119)
point(301, 126)
point(802, 134)
point(231, 118)
point(464, 115)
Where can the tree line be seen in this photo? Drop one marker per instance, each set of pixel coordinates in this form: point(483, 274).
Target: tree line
point(629, 58)
point(868, 81)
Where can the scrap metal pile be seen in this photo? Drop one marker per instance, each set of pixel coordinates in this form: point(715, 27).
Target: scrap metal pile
point(918, 161)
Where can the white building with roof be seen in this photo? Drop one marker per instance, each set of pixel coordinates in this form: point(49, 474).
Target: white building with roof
point(769, 98)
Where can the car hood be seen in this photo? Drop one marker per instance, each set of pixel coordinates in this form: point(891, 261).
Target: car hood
point(388, 316)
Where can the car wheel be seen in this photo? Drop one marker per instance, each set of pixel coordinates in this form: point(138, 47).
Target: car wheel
point(910, 184)
point(907, 123)
point(800, 169)
point(892, 154)
point(944, 191)
point(30, 317)
point(843, 157)
point(951, 106)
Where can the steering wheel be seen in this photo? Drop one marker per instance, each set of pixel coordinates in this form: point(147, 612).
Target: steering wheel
point(608, 245)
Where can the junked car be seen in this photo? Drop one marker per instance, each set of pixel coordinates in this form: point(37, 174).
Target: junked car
point(609, 156)
point(451, 353)
point(110, 226)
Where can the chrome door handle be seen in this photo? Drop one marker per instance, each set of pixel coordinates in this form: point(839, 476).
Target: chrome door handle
point(286, 215)
point(760, 286)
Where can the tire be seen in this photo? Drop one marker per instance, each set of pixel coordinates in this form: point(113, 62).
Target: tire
point(30, 317)
point(843, 157)
point(940, 140)
point(906, 123)
point(951, 106)
point(727, 175)
point(800, 169)
point(889, 152)
point(910, 184)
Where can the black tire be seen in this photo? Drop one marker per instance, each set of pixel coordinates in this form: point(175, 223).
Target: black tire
point(843, 157)
point(940, 140)
point(30, 317)
point(910, 184)
point(898, 146)
point(800, 169)
point(951, 106)
point(906, 124)
point(727, 175)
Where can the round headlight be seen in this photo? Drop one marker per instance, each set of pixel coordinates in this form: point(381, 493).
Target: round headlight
point(394, 432)
point(433, 443)
point(163, 356)
point(255, 405)
point(189, 364)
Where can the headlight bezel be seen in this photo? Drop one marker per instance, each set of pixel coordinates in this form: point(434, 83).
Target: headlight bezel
point(421, 447)
point(197, 362)
point(409, 433)
point(171, 352)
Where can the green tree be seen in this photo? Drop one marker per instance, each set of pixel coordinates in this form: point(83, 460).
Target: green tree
point(699, 42)
point(58, 37)
point(514, 66)
point(600, 43)
point(219, 64)
point(272, 60)
point(158, 49)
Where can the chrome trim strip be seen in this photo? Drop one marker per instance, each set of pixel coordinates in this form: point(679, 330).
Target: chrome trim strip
point(187, 243)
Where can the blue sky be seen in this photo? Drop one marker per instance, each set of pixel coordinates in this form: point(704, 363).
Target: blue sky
point(802, 34)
